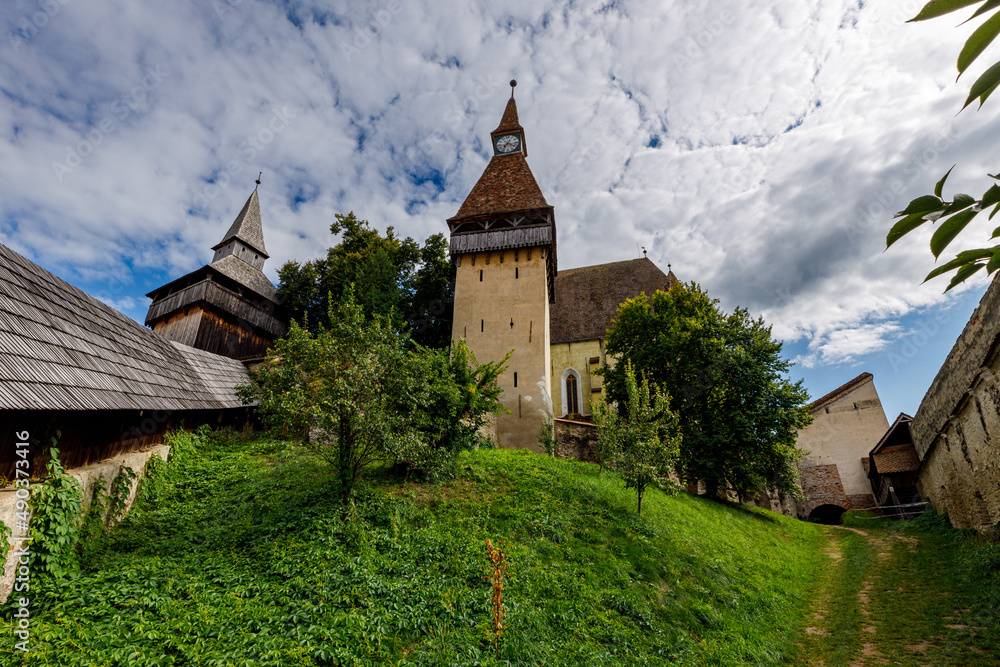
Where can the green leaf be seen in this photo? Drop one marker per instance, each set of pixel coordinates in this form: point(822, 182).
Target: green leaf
point(987, 6)
point(961, 201)
point(984, 85)
point(945, 268)
point(936, 8)
point(995, 209)
point(924, 204)
point(964, 274)
point(978, 253)
point(940, 184)
point(991, 197)
point(948, 230)
point(904, 227)
point(979, 40)
point(994, 263)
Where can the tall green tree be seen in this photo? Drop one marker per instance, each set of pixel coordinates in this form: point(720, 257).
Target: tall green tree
point(952, 217)
point(641, 435)
point(391, 276)
point(738, 415)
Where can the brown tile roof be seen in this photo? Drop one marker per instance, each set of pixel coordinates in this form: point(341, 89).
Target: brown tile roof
point(62, 349)
point(247, 227)
point(509, 121)
point(507, 185)
point(587, 298)
point(901, 458)
point(819, 402)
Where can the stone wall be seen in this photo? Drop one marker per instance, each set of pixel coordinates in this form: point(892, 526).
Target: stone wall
point(821, 485)
point(956, 430)
point(86, 476)
point(575, 440)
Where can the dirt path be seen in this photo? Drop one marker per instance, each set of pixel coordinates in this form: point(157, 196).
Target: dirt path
point(890, 599)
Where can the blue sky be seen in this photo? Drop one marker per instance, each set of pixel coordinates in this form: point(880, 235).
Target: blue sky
point(758, 147)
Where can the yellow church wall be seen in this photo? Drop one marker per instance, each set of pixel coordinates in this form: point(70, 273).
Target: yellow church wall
point(494, 291)
point(584, 357)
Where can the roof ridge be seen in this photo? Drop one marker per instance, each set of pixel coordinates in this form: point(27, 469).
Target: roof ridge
point(840, 390)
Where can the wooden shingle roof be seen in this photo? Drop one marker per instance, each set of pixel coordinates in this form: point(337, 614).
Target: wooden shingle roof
point(62, 349)
point(587, 298)
point(247, 227)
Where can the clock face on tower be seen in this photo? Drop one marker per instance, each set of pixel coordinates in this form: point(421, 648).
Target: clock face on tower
point(507, 143)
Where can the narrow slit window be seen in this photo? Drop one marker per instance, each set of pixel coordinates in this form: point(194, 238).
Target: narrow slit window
point(515, 378)
point(572, 404)
point(480, 275)
point(482, 326)
point(515, 272)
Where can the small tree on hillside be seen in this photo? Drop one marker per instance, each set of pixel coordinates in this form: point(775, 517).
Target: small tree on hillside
point(451, 398)
point(355, 394)
point(340, 391)
point(641, 434)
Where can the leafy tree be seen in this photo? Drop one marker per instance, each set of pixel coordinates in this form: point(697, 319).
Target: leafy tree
point(451, 398)
point(339, 390)
point(391, 276)
point(955, 215)
point(433, 294)
point(641, 434)
point(738, 416)
point(356, 395)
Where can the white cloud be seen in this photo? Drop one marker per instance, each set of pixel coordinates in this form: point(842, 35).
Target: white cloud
point(759, 147)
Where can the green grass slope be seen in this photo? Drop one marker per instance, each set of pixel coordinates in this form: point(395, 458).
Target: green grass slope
point(240, 555)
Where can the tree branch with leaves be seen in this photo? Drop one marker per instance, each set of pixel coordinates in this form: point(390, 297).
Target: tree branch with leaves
point(955, 215)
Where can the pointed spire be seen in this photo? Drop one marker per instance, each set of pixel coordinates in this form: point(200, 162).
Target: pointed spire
point(247, 226)
point(509, 121)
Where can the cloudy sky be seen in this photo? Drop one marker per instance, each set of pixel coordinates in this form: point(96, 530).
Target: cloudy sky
point(758, 147)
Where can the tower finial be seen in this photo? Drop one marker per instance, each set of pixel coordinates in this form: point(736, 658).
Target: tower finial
point(258, 180)
point(513, 84)
point(643, 251)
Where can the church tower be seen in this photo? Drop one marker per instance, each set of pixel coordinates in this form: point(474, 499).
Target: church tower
point(503, 243)
point(228, 307)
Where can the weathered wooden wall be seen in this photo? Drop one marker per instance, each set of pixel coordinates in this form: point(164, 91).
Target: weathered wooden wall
point(87, 436)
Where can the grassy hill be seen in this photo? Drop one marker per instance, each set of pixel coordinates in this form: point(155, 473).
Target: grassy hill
point(239, 554)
